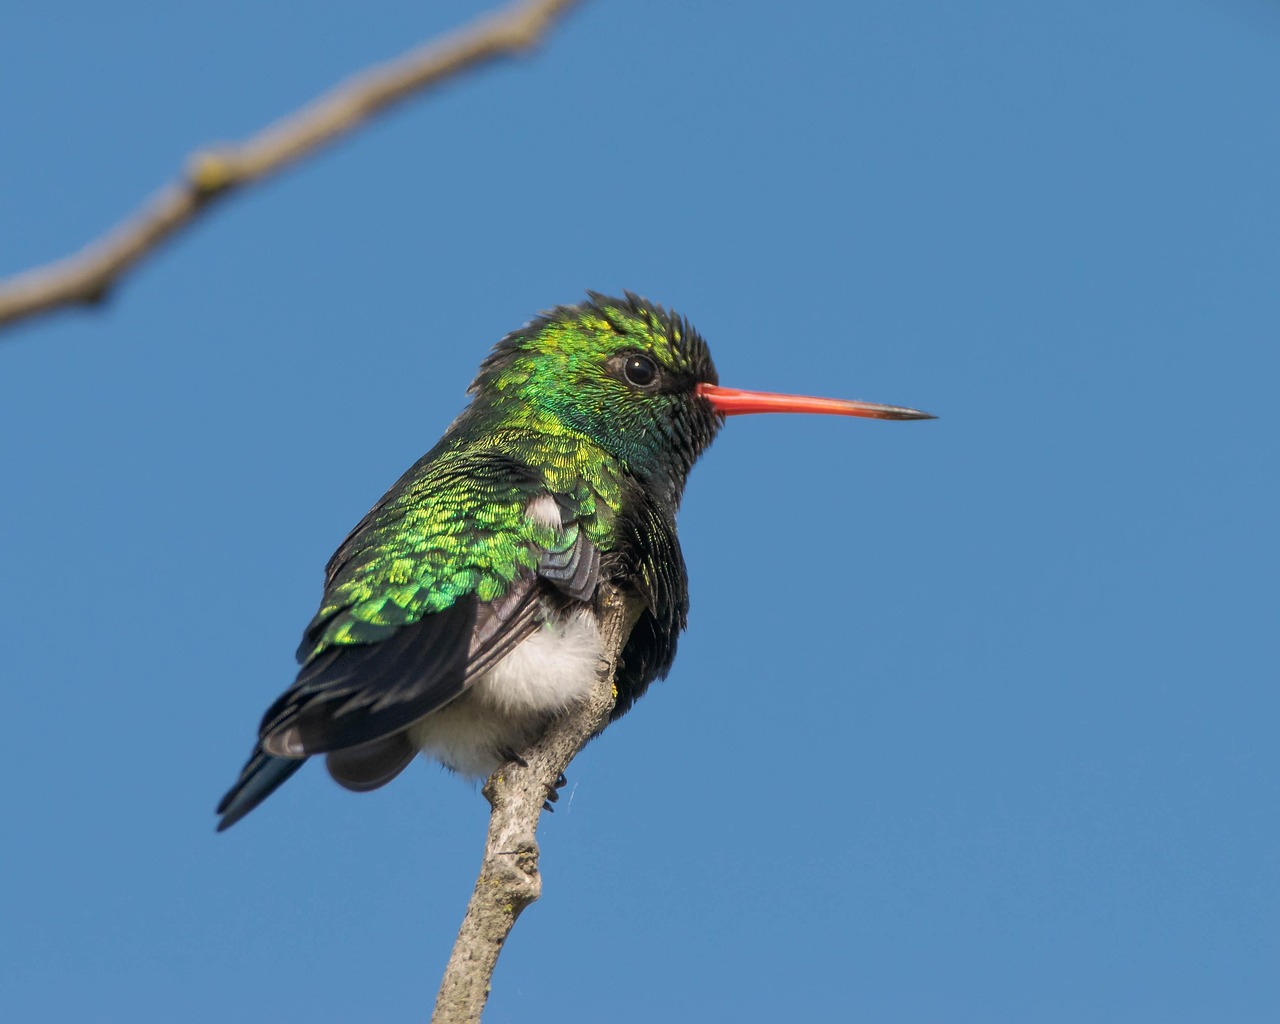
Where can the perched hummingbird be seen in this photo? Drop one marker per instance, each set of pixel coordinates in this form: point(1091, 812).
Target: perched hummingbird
point(460, 615)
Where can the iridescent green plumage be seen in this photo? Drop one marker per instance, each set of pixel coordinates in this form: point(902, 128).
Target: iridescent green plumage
point(565, 471)
point(455, 526)
point(547, 401)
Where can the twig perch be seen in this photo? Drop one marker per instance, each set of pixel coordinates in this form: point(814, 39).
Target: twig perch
point(88, 275)
point(509, 879)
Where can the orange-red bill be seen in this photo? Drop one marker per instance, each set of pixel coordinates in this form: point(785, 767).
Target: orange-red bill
point(735, 402)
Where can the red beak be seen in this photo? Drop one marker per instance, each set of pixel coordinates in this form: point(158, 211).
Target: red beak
point(734, 402)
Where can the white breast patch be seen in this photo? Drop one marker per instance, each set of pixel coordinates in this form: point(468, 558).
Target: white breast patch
point(506, 708)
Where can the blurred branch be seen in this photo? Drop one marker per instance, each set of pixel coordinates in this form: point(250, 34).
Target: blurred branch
point(509, 879)
point(88, 275)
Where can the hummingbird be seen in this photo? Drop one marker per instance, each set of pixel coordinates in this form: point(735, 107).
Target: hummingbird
point(461, 615)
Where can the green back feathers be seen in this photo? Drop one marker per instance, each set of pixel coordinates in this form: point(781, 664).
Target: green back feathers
point(455, 526)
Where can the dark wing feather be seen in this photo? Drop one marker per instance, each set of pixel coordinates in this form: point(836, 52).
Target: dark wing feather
point(353, 694)
point(502, 623)
point(575, 571)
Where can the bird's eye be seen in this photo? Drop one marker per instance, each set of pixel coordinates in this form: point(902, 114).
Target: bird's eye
point(640, 371)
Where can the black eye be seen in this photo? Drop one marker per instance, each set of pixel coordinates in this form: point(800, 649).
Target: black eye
point(640, 371)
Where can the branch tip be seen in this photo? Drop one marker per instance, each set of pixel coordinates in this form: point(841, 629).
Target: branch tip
point(84, 277)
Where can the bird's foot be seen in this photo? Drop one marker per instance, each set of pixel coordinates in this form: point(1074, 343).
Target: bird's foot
point(511, 757)
point(553, 793)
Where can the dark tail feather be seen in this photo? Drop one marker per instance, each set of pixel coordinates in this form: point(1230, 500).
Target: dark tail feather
point(372, 764)
point(262, 776)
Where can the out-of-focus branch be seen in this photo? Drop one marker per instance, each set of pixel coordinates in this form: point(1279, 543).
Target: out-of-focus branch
point(509, 879)
point(87, 276)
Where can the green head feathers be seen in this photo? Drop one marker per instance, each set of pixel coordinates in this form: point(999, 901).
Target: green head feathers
point(622, 372)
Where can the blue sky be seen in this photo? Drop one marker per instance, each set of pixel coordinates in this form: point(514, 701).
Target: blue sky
point(975, 719)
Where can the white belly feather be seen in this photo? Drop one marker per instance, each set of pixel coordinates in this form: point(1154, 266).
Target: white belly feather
point(506, 708)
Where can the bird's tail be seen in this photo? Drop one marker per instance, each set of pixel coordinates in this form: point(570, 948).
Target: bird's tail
point(262, 776)
point(371, 764)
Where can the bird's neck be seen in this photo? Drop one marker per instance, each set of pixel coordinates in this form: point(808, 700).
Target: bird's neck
point(569, 458)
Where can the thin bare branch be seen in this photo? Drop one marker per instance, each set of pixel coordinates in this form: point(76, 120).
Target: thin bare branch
point(88, 275)
point(509, 879)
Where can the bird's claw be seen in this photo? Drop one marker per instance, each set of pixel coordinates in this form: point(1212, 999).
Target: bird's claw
point(553, 793)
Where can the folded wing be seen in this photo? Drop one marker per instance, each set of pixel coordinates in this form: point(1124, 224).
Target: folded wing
point(446, 575)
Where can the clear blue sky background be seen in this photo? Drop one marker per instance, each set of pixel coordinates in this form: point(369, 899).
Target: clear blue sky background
point(975, 719)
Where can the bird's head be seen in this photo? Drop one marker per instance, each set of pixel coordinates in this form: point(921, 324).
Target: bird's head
point(635, 378)
point(624, 372)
